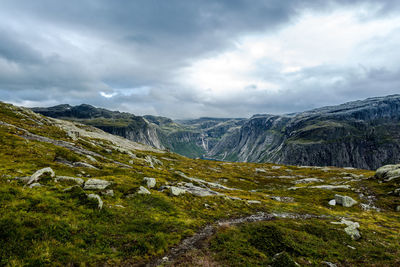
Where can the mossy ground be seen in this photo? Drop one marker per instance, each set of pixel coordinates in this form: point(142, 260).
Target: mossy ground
point(47, 226)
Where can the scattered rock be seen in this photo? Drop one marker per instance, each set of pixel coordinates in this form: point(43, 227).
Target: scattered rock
point(91, 158)
point(308, 180)
point(388, 172)
point(282, 199)
point(276, 167)
point(253, 201)
point(109, 193)
point(345, 201)
point(38, 174)
point(150, 182)
point(97, 197)
point(351, 229)
point(67, 178)
point(84, 165)
point(260, 170)
point(176, 191)
point(332, 202)
point(143, 191)
point(96, 184)
point(327, 187)
point(35, 185)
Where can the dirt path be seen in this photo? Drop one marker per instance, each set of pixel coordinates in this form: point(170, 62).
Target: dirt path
point(209, 230)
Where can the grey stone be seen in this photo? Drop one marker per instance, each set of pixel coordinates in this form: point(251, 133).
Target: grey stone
point(308, 180)
point(84, 165)
point(176, 191)
point(332, 202)
point(253, 201)
point(97, 197)
point(35, 185)
point(38, 174)
point(96, 184)
point(150, 182)
point(109, 193)
point(67, 178)
point(345, 201)
point(143, 191)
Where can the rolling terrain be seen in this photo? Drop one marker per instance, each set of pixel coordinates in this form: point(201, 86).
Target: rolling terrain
point(72, 195)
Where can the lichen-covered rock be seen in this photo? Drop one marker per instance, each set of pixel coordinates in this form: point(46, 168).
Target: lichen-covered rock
point(150, 182)
point(388, 172)
point(109, 193)
point(345, 201)
point(176, 191)
point(96, 184)
point(97, 197)
point(38, 174)
point(68, 178)
point(143, 191)
point(253, 201)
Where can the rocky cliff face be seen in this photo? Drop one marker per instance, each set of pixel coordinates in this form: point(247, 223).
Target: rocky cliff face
point(362, 134)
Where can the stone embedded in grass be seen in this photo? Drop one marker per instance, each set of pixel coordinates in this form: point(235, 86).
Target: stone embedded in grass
point(35, 185)
point(253, 201)
point(68, 178)
point(38, 174)
point(276, 167)
point(150, 182)
point(84, 165)
point(308, 180)
point(97, 197)
point(351, 229)
point(96, 184)
point(345, 201)
point(332, 202)
point(176, 191)
point(143, 191)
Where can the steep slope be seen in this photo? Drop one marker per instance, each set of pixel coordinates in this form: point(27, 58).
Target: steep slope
point(362, 134)
point(74, 195)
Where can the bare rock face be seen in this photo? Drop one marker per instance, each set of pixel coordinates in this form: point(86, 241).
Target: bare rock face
point(96, 184)
point(345, 201)
point(38, 174)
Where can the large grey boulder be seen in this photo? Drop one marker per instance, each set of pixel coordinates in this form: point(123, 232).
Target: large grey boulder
point(97, 197)
point(345, 201)
point(150, 182)
point(68, 178)
point(143, 191)
point(38, 175)
point(388, 172)
point(96, 184)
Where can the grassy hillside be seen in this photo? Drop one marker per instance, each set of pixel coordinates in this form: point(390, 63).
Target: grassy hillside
point(57, 224)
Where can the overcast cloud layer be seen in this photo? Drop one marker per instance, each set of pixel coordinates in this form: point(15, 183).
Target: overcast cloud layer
point(182, 59)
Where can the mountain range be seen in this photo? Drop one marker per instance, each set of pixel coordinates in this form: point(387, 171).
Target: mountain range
point(361, 134)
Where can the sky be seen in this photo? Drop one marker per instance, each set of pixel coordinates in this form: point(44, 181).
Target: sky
point(188, 59)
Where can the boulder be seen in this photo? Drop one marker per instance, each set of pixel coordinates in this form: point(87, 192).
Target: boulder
point(260, 170)
point(388, 172)
point(97, 197)
point(345, 201)
point(96, 184)
point(68, 178)
point(176, 191)
point(197, 190)
point(150, 182)
point(38, 174)
point(143, 191)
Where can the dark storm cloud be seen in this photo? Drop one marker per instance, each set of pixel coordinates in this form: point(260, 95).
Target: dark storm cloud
point(68, 51)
